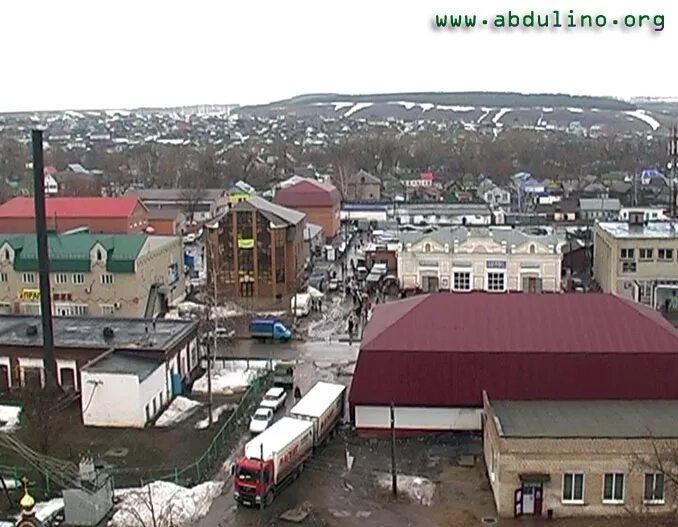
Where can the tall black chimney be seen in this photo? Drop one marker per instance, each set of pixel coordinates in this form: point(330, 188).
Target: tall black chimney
point(43, 262)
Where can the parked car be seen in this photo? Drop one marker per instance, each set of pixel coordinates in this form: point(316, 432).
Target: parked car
point(361, 272)
point(333, 285)
point(261, 420)
point(283, 374)
point(274, 398)
point(189, 238)
point(318, 279)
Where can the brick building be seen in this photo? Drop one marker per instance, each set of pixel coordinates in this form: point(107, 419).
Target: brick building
point(166, 221)
point(258, 250)
point(320, 202)
point(104, 215)
point(580, 458)
point(363, 186)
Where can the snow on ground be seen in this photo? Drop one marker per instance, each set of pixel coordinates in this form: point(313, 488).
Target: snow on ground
point(546, 109)
point(9, 417)
point(235, 377)
point(341, 105)
point(216, 414)
point(501, 113)
point(178, 410)
point(647, 119)
point(416, 488)
point(405, 104)
point(173, 504)
point(12, 484)
point(357, 107)
point(486, 112)
point(455, 108)
point(45, 510)
point(575, 110)
point(426, 106)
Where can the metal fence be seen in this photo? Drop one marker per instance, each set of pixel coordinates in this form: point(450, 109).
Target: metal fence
point(204, 467)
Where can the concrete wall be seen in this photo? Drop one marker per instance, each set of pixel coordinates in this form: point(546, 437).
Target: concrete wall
point(153, 388)
point(417, 419)
point(109, 399)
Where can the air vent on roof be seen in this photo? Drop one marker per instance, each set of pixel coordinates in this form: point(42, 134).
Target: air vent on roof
point(108, 333)
point(32, 330)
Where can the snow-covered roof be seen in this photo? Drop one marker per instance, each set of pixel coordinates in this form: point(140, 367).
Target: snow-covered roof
point(318, 399)
point(277, 437)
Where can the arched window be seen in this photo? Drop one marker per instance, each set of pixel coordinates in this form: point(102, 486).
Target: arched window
point(427, 248)
point(6, 254)
point(99, 256)
point(532, 249)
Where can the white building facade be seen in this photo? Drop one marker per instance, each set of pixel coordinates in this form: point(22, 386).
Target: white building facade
point(494, 259)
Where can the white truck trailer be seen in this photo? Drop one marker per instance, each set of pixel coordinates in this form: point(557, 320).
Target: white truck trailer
point(323, 407)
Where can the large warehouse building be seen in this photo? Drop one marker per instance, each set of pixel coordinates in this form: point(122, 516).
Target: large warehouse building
point(431, 356)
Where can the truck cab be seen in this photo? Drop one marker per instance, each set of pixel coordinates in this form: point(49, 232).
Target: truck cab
point(269, 328)
point(249, 483)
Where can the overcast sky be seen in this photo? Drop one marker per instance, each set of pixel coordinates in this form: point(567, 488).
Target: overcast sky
point(80, 54)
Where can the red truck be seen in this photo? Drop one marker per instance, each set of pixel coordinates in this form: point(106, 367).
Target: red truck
point(276, 457)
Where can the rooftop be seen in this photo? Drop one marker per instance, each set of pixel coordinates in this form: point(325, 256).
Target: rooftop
point(70, 252)
point(280, 216)
point(88, 332)
point(84, 207)
point(512, 237)
point(176, 194)
point(587, 419)
point(654, 230)
point(518, 322)
point(125, 363)
point(599, 204)
point(308, 193)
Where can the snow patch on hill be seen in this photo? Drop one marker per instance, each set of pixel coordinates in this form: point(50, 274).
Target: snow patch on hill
point(647, 119)
point(501, 113)
point(357, 107)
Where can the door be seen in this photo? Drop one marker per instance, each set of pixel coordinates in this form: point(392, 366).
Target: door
point(528, 499)
point(518, 503)
point(68, 378)
point(532, 498)
point(4, 378)
point(62, 311)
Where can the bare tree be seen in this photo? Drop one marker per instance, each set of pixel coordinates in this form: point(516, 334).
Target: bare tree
point(141, 508)
point(43, 420)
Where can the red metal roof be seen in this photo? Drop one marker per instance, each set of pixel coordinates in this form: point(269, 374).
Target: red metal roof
point(558, 323)
point(427, 176)
point(85, 207)
point(445, 349)
point(308, 193)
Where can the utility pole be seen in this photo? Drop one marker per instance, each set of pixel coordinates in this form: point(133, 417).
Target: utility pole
point(394, 475)
point(49, 360)
point(673, 161)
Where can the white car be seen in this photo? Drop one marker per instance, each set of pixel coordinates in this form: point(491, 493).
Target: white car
point(261, 420)
point(189, 238)
point(274, 399)
point(333, 285)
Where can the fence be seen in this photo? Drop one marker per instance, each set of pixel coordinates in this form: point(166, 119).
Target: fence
point(42, 486)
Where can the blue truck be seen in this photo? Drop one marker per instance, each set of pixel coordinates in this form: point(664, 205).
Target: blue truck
point(269, 328)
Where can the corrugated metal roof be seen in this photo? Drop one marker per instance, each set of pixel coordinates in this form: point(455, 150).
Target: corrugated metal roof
point(308, 193)
point(516, 322)
point(84, 207)
point(288, 216)
point(587, 419)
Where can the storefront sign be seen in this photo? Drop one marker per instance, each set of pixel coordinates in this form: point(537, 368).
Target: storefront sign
point(493, 264)
point(246, 243)
point(29, 294)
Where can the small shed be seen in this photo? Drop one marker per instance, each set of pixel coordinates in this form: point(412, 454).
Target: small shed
point(124, 389)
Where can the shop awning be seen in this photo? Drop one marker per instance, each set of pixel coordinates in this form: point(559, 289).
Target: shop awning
point(535, 478)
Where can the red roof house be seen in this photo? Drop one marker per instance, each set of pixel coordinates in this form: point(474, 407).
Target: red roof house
point(321, 202)
point(107, 215)
point(433, 355)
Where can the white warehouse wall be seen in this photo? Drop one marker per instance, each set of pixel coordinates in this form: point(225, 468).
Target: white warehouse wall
point(152, 386)
point(418, 418)
point(110, 399)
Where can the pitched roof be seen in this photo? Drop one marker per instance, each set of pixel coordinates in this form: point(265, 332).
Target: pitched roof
point(84, 207)
point(176, 194)
point(549, 323)
point(278, 214)
point(362, 176)
point(71, 252)
point(308, 193)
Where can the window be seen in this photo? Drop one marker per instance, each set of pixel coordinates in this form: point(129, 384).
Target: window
point(628, 267)
point(461, 281)
point(28, 278)
point(613, 488)
point(78, 278)
point(61, 278)
point(646, 254)
point(654, 488)
point(79, 310)
point(532, 249)
point(107, 279)
point(573, 488)
point(627, 254)
point(427, 248)
point(665, 254)
point(107, 310)
point(99, 255)
point(3, 277)
point(495, 281)
point(7, 255)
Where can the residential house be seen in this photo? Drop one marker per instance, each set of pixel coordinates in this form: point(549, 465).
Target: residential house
point(648, 213)
point(319, 202)
point(166, 221)
point(492, 194)
point(198, 205)
point(77, 184)
point(562, 211)
point(125, 275)
point(425, 179)
point(495, 259)
point(599, 209)
point(104, 215)
point(257, 250)
point(96, 356)
point(314, 240)
point(363, 186)
point(638, 260)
